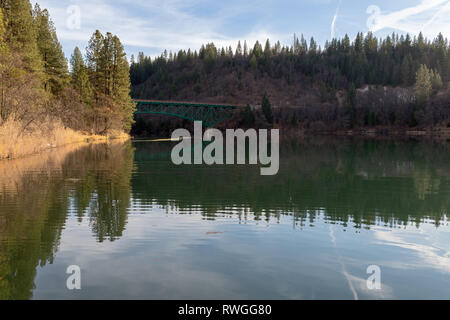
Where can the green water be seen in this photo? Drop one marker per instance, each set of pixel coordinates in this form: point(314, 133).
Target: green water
point(142, 228)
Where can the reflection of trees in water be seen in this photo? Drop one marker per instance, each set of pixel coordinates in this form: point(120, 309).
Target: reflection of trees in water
point(104, 192)
point(363, 182)
point(36, 195)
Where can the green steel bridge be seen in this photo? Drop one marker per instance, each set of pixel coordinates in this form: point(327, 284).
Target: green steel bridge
point(210, 114)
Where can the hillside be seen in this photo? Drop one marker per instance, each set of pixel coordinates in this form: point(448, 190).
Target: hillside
point(366, 82)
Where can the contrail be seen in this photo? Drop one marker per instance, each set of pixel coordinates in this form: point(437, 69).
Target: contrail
point(394, 19)
point(333, 23)
point(442, 10)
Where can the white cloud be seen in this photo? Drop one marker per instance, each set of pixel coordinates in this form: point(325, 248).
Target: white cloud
point(430, 255)
point(155, 25)
point(429, 17)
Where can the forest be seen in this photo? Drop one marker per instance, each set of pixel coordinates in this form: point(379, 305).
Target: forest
point(396, 81)
point(43, 102)
point(48, 100)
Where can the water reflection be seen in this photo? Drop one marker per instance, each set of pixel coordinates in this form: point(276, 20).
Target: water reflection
point(37, 195)
point(359, 185)
point(359, 182)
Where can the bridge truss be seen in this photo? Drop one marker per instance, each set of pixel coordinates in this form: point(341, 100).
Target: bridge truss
point(209, 114)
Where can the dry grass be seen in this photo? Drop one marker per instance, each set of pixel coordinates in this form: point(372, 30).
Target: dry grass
point(16, 142)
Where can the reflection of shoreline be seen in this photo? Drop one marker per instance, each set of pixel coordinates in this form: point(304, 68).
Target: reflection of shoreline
point(38, 193)
point(163, 140)
point(13, 170)
point(358, 182)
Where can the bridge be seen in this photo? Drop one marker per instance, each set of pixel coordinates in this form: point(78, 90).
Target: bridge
point(210, 114)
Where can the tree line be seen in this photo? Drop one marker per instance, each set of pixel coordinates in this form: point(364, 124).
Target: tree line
point(324, 84)
point(36, 84)
point(392, 61)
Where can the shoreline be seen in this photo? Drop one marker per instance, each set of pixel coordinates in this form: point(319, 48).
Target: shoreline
point(389, 133)
point(80, 139)
point(379, 133)
point(440, 134)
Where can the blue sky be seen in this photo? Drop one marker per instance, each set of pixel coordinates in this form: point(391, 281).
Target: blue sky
point(154, 25)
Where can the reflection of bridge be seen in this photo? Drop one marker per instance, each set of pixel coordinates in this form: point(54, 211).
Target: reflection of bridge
point(209, 113)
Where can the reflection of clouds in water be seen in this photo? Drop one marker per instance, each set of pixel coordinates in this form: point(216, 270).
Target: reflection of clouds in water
point(357, 284)
point(431, 255)
point(344, 269)
point(429, 16)
point(360, 285)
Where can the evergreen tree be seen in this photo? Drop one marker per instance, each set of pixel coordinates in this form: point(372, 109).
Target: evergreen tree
point(121, 83)
point(303, 44)
point(436, 81)
point(267, 108)
point(423, 86)
point(94, 61)
point(239, 50)
point(55, 63)
point(5, 67)
point(351, 102)
point(249, 117)
point(407, 71)
point(313, 46)
point(267, 49)
point(253, 62)
point(257, 50)
point(80, 77)
point(297, 46)
point(21, 32)
point(110, 77)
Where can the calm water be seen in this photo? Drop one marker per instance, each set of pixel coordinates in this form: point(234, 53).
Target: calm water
point(142, 228)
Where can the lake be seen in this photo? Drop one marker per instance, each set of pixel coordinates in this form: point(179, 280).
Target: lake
point(140, 227)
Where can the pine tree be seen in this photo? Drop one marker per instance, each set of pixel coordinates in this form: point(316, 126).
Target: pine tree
point(423, 87)
point(5, 67)
point(267, 108)
point(257, 50)
point(93, 62)
point(297, 46)
point(239, 50)
point(436, 81)
point(351, 104)
point(313, 46)
point(110, 78)
point(267, 49)
point(121, 83)
point(230, 52)
point(21, 87)
point(55, 63)
point(106, 65)
point(80, 77)
point(253, 63)
point(406, 70)
point(21, 32)
point(249, 117)
point(303, 44)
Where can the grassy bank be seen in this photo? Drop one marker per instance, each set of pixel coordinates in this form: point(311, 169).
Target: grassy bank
point(18, 139)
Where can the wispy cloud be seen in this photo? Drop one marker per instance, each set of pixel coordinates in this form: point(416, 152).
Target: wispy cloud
point(429, 17)
point(333, 23)
point(429, 255)
point(153, 25)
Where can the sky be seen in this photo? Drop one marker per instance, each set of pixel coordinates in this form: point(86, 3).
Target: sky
point(151, 26)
